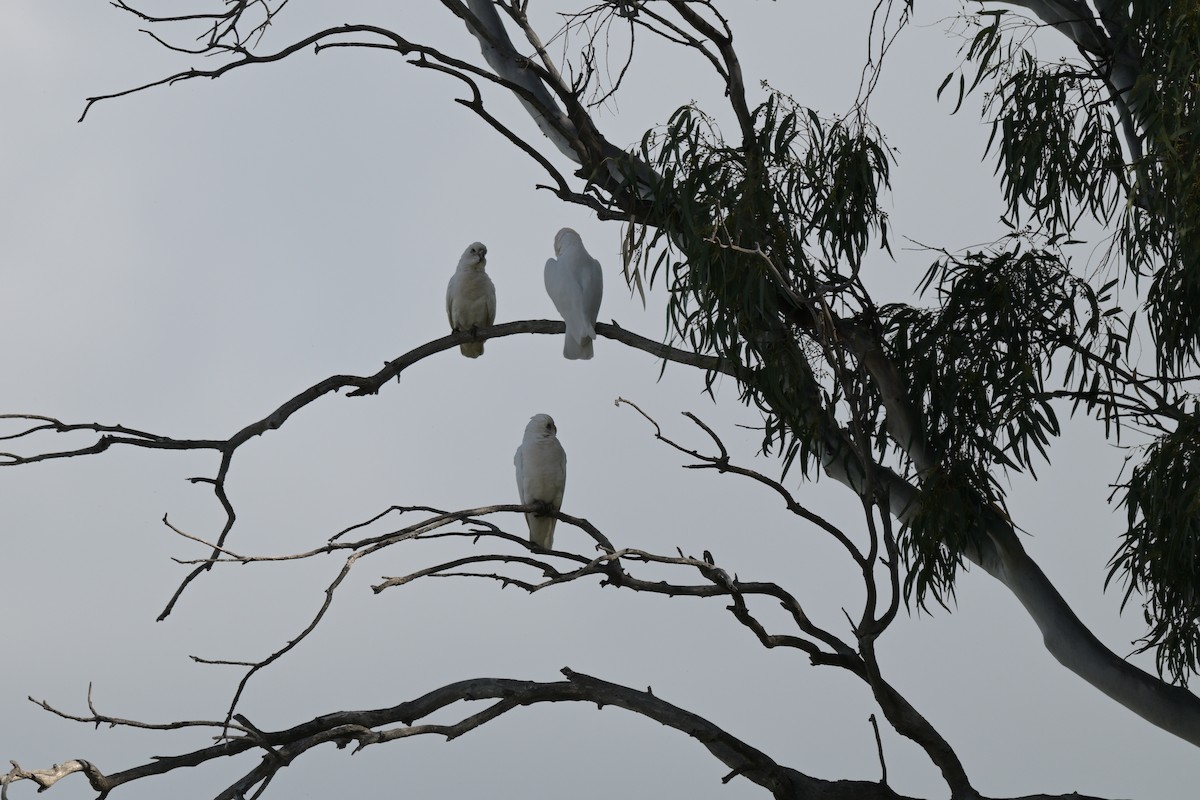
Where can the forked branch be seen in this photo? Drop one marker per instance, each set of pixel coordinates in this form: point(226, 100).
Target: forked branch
point(555, 567)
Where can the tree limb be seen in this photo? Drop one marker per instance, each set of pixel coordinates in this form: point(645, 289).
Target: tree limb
point(375, 726)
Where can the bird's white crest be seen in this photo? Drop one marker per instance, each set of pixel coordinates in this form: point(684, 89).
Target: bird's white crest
point(471, 297)
point(541, 466)
point(575, 282)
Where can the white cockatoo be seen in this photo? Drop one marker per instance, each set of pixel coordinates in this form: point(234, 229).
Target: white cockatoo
point(541, 475)
point(471, 297)
point(575, 283)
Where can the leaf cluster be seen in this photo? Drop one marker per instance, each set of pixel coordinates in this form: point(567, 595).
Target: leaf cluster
point(1112, 136)
point(1056, 144)
point(978, 366)
point(759, 243)
point(760, 236)
point(1159, 554)
point(1160, 233)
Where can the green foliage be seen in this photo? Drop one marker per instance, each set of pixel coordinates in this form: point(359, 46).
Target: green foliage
point(1053, 133)
point(1059, 156)
point(1112, 136)
point(760, 235)
point(1159, 555)
point(760, 242)
point(1057, 146)
point(944, 527)
point(978, 365)
point(1160, 237)
point(1160, 233)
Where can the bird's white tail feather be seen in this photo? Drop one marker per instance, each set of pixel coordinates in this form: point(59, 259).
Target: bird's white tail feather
point(541, 530)
point(577, 350)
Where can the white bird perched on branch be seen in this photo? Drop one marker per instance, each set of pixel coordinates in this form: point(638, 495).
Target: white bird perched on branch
point(575, 283)
point(471, 297)
point(541, 475)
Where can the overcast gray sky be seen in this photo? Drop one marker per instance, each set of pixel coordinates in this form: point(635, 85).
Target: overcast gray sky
point(190, 257)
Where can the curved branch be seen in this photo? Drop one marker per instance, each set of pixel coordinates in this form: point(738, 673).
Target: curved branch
point(247, 59)
point(376, 726)
point(1001, 554)
point(722, 464)
point(359, 386)
point(1175, 709)
point(735, 86)
point(371, 727)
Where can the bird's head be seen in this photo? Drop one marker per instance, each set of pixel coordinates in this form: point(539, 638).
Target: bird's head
point(476, 253)
point(541, 426)
point(565, 237)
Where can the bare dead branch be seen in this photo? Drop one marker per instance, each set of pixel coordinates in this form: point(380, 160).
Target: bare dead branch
point(879, 747)
point(97, 719)
point(672, 32)
point(722, 464)
point(375, 726)
point(111, 435)
point(611, 567)
point(44, 778)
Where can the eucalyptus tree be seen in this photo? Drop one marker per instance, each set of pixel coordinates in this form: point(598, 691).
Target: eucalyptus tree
point(759, 236)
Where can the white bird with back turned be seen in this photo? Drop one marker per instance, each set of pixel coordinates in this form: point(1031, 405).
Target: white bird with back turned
point(541, 466)
point(575, 283)
point(471, 297)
